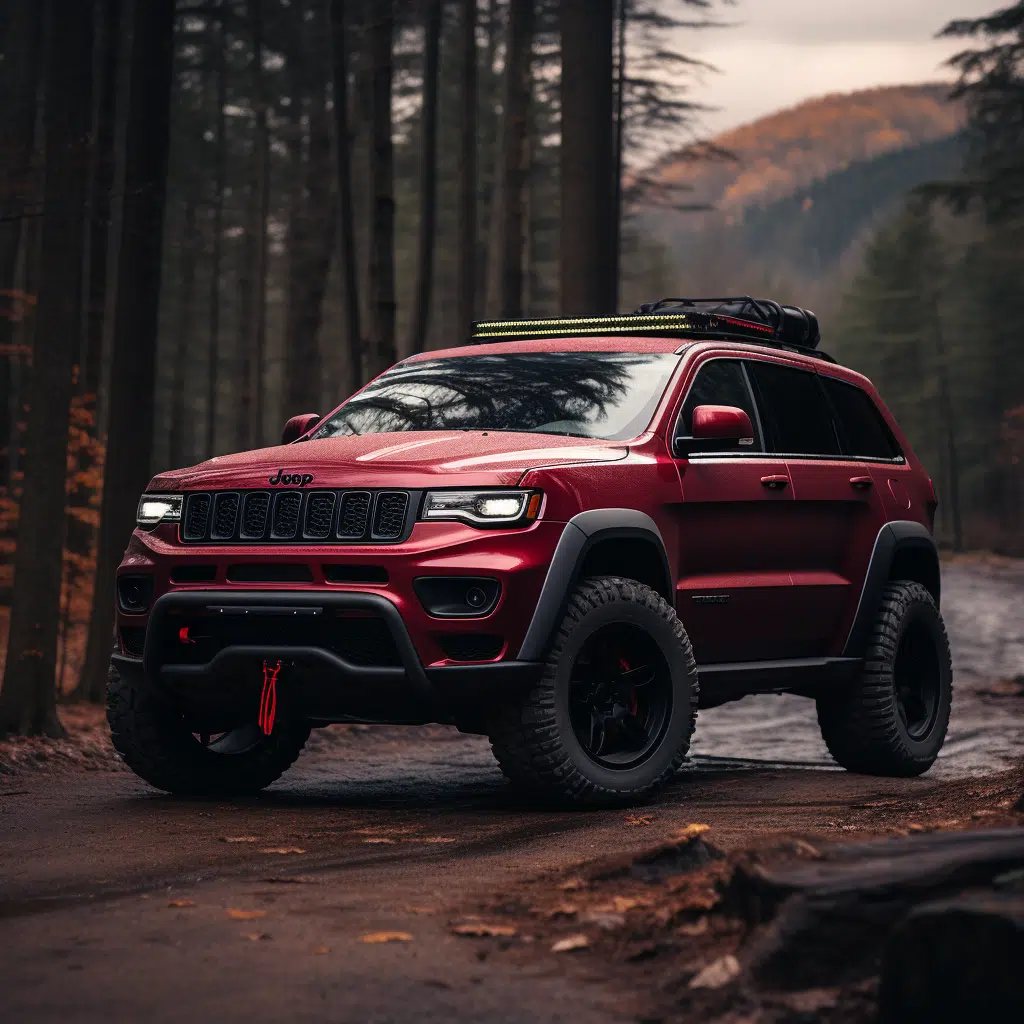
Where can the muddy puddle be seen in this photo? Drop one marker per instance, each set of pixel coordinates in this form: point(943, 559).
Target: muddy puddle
point(983, 605)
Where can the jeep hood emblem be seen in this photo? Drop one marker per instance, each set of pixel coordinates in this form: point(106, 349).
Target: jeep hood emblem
point(283, 478)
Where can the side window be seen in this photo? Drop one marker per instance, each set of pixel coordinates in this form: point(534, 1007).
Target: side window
point(794, 410)
point(865, 433)
point(718, 382)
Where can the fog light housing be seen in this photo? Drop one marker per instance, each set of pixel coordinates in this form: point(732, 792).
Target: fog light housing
point(457, 597)
point(134, 593)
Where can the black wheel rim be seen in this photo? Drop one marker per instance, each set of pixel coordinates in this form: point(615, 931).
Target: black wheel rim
point(917, 680)
point(620, 696)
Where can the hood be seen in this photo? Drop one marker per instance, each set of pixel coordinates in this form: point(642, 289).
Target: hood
point(423, 459)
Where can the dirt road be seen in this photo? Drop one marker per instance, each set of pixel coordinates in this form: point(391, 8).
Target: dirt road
point(117, 903)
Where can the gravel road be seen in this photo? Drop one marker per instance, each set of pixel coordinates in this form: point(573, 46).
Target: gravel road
point(118, 903)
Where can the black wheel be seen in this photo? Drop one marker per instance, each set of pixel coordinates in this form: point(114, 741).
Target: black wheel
point(158, 746)
point(613, 714)
point(893, 720)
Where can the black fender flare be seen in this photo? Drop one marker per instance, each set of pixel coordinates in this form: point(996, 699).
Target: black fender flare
point(901, 535)
point(582, 533)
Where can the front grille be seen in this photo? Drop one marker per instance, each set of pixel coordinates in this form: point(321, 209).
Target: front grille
point(389, 515)
point(293, 516)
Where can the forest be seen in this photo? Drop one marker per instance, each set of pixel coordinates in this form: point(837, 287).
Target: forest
point(215, 214)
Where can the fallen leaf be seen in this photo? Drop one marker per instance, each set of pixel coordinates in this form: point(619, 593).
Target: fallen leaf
point(479, 929)
point(321, 950)
point(639, 819)
point(374, 937)
point(255, 936)
point(693, 930)
point(379, 840)
point(571, 942)
point(245, 915)
point(572, 885)
point(240, 839)
point(605, 921)
point(563, 910)
point(283, 849)
point(717, 974)
point(690, 832)
point(181, 903)
point(620, 904)
point(433, 839)
point(915, 827)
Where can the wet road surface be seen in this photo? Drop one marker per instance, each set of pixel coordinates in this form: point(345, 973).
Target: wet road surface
point(389, 830)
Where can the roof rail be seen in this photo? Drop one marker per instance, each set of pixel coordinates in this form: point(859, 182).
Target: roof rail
point(738, 318)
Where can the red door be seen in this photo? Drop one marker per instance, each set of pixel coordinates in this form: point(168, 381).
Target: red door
point(736, 538)
point(836, 512)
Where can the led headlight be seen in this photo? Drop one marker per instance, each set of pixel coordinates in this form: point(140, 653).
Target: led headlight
point(483, 508)
point(158, 508)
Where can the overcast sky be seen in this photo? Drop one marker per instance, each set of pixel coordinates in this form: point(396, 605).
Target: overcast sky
point(781, 52)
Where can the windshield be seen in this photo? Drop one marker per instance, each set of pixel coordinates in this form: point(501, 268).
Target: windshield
point(605, 395)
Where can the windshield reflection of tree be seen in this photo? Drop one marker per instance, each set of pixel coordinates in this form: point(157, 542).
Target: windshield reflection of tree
point(521, 392)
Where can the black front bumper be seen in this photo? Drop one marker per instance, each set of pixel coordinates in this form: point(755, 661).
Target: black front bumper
point(319, 683)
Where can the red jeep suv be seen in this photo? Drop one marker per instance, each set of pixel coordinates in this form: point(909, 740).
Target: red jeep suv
point(567, 535)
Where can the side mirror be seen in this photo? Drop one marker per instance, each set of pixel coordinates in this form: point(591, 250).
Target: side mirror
point(298, 425)
point(717, 428)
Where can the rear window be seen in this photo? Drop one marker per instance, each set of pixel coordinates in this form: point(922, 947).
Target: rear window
point(607, 395)
point(796, 416)
point(865, 433)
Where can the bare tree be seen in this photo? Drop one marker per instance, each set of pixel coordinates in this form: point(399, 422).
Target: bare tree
point(428, 176)
point(28, 697)
point(346, 208)
point(21, 24)
point(467, 254)
point(143, 142)
point(588, 157)
point(381, 27)
point(514, 159)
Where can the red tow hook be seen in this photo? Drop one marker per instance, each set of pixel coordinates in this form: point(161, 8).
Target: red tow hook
point(268, 699)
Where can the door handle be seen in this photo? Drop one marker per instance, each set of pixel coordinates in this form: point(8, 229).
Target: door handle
point(861, 483)
point(775, 483)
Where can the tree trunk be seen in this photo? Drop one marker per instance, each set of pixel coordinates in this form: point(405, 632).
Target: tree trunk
point(346, 209)
point(21, 46)
point(381, 352)
point(312, 230)
point(143, 130)
point(428, 177)
point(622, 20)
point(101, 188)
point(515, 156)
point(185, 328)
point(467, 254)
point(252, 318)
point(587, 157)
point(28, 697)
point(220, 183)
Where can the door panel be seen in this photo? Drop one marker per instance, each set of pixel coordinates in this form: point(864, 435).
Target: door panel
point(838, 511)
point(737, 540)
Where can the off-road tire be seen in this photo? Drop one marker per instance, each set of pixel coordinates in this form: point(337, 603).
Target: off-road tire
point(862, 726)
point(155, 743)
point(532, 737)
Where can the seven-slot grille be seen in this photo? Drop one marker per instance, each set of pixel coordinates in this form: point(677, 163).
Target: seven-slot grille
point(295, 516)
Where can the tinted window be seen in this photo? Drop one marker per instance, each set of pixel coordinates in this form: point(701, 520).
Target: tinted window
point(607, 395)
point(865, 433)
point(796, 415)
point(719, 382)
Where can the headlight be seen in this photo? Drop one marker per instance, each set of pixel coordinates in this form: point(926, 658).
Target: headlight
point(158, 508)
point(484, 508)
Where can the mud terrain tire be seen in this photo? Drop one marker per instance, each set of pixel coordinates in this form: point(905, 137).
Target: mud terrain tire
point(893, 720)
point(157, 746)
point(534, 738)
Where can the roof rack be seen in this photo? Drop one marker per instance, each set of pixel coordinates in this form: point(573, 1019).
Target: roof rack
point(736, 318)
